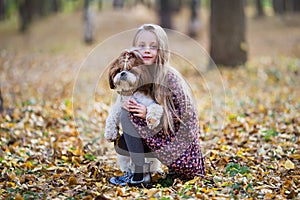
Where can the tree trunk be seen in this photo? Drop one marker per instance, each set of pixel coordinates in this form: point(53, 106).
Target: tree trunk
point(259, 8)
point(3, 9)
point(1, 102)
point(100, 4)
point(25, 14)
point(279, 6)
point(56, 5)
point(296, 5)
point(194, 25)
point(118, 4)
point(165, 13)
point(227, 32)
point(88, 25)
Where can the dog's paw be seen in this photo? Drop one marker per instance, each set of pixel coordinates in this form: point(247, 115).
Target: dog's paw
point(153, 116)
point(111, 134)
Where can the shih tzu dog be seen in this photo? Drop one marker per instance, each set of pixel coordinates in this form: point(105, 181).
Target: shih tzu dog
point(131, 79)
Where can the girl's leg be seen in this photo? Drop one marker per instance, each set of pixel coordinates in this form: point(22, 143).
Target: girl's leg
point(121, 148)
point(134, 144)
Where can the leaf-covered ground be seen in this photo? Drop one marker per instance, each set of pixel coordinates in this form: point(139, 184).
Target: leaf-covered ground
point(254, 156)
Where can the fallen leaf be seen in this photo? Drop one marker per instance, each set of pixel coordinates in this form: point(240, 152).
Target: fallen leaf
point(289, 164)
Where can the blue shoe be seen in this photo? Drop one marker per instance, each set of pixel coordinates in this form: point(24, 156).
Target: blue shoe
point(121, 180)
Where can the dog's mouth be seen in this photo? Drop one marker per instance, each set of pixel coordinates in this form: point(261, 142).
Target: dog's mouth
point(125, 80)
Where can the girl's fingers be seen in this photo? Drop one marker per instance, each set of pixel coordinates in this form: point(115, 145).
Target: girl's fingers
point(138, 115)
point(139, 111)
point(132, 101)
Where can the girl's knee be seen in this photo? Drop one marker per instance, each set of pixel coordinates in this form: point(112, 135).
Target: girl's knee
point(124, 116)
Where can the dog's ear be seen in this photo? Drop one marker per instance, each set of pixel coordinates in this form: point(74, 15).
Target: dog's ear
point(138, 56)
point(112, 72)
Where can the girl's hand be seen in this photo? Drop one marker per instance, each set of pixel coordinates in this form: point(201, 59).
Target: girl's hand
point(138, 110)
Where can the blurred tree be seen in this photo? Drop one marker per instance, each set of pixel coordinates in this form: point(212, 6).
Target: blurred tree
point(194, 24)
point(56, 5)
point(227, 32)
point(88, 25)
point(1, 102)
point(282, 6)
point(295, 5)
point(259, 8)
point(34, 9)
point(3, 8)
point(165, 13)
point(279, 6)
point(100, 4)
point(118, 4)
point(25, 8)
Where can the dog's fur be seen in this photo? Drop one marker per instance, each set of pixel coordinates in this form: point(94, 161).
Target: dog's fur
point(131, 79)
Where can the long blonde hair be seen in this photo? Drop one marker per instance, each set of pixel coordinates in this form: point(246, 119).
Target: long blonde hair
point(160, 91)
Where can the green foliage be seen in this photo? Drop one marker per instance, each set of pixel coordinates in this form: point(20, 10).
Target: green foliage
point(89, 157)
point(234, 168)
point(269, 134)
point(166, 182)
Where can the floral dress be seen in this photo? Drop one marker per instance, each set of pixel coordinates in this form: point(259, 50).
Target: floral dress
point(180, 149)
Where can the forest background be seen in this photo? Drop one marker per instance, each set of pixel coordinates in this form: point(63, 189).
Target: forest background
point(51, 150)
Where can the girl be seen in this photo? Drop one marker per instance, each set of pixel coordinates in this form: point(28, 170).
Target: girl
point(175, 143)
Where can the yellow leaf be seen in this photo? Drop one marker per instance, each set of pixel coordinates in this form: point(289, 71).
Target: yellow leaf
point(65, 158)
point(118, 173)
point(99, 185)
point(72, 180)
point(240, 154)
point(261, 108)
point(89, 197)
point(204, 190)
point(11, 184)
point(224, 147)
point(151, 192)
point(18, 197)
point(28, 164)
point(269, 196)
point(193, 181)
point(120, 191)
point(289, 164)
point(226, 184)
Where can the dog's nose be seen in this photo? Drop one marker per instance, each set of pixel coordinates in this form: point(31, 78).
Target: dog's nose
point(123, 74)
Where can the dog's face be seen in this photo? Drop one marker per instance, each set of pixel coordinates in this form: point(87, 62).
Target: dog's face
point(127, 72)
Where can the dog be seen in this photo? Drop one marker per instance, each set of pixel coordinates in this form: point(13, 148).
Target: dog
point(131, 79)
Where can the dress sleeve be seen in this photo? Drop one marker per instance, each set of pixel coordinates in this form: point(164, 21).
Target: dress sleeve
point(171, 146)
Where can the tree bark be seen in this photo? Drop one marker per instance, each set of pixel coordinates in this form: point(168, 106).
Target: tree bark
point(296, 5)
point(56, 5)
point(1, 102)
point(88, 25)
point(2, 9)
point(165, 13)
point(194, 25)
point(279, 6)
point(25, 14)
point(118, 4)
point(227, 32)
point(259, 8)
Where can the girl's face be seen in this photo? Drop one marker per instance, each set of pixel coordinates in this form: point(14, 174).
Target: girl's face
point(147, 46)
